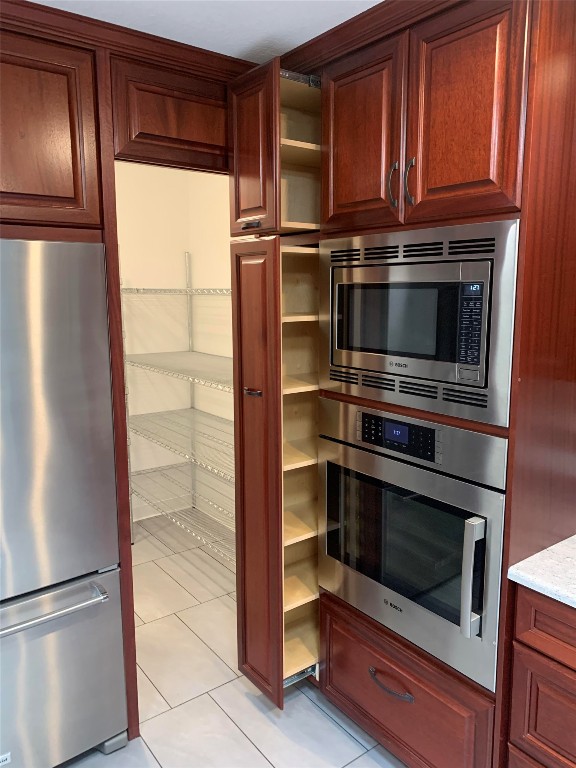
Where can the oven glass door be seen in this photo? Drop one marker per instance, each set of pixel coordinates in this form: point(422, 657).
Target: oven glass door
point(412, 544)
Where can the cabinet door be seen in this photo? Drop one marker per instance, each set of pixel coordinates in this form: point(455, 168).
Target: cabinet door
point(466, 112)
point(543, 712)
point(49, 170)
point(168, 118)
point(254, 107)
point(257, 368)
point(362, 108)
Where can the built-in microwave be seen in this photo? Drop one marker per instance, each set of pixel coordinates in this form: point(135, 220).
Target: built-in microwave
point(422, 318)
point(411, 526)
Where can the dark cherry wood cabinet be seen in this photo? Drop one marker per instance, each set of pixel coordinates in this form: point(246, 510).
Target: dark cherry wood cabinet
point(362, 109)
point(543, 708)
point(466, 112)
point(425, 715)
point(49, 171)
point(254, 130)
point(256, 322)
point(166, 117)
point(431, 130)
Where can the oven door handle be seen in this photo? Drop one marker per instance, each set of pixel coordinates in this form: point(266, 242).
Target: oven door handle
point(474, 530)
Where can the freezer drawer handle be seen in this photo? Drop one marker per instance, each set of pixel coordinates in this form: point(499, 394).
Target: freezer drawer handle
point(100, 597)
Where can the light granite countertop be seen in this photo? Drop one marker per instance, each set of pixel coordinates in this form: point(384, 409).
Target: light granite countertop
point(551, 572)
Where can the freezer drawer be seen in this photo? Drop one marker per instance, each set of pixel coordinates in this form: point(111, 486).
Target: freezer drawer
point(62, 677)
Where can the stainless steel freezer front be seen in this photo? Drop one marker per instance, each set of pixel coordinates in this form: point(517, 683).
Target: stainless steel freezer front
point(62, 672)
point(58, 495)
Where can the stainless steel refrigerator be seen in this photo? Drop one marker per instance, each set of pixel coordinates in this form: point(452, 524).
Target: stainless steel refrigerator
point(62, 671)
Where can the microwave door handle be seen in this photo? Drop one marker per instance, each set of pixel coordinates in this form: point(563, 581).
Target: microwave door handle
point(474, 530)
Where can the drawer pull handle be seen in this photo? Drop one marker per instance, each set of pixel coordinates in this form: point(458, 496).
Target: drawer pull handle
point(252, 392)
point(251, 225)
point(410, 164)
point(404, 696)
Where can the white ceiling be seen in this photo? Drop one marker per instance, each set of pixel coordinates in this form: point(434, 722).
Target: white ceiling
point(256, 30)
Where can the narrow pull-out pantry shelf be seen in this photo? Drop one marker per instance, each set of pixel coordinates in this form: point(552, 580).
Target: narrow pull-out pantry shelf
point(296, 152)
point(195, 435)
point(300, 583)
point(300, 522)
point(300, 382)
point(300, 453)
point(196, 367)
point(300, 317)
point(301, 639)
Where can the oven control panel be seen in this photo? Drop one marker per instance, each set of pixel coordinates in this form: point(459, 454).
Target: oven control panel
point(396, 435)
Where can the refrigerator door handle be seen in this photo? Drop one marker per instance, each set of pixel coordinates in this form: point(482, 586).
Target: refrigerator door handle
point(100, 596)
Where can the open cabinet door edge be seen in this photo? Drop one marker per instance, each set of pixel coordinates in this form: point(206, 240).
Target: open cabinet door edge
point(257, 413)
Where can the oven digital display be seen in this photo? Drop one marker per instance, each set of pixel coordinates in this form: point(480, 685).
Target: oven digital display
point(398, 433)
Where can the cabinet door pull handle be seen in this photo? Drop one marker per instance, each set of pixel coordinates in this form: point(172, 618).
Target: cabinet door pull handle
point(409, 197)
point(252, 392)
point(391, 198)
point(404, 696)
point(251, 225)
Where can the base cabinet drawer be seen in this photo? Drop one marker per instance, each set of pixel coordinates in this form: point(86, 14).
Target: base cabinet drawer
point(543, 720)
point(418, 710)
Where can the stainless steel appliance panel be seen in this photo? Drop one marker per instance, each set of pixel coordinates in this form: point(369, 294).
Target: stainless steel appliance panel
point(428, 386)
point(62, 672)
point(456, 645)
point(58, 498)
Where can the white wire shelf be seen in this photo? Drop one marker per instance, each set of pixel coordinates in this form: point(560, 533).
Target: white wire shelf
point(179, 291)
point(196, 367)
point(179, 492)
point(197, 436)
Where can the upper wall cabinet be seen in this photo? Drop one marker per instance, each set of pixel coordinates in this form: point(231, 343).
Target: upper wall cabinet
point(275, 164)
point(462, 123)
point(168, 118)
point(49, 171)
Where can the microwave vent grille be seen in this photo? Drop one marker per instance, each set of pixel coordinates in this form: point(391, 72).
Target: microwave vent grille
point(346, 254)
point(423, 250)
point(382, 252)
point(471, 247)
point(378, 382)
point(345, 376)
point(476, 399)
point(419, 390)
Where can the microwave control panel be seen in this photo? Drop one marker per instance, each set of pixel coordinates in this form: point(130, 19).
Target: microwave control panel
point(409, 439)
point(470, 324)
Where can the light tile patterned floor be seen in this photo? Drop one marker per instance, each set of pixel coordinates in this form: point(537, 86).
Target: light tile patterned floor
point(196, 709)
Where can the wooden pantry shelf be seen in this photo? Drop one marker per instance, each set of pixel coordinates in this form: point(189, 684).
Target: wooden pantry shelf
point(300, 583)
point(299, 250)
point(300, 153)
point(295, 317)
point(301, 643)
point(299, 382)
point(300, 522)
point(299, 226)
point(300, 453)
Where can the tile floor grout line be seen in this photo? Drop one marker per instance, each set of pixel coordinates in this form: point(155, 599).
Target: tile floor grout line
point(149, 748)
point(153, 536)
point(336, 721)
point(155, 562)
point(183, 587)
point(218, 561)
point(240, 729)
point(207, 646)
point(157, 691)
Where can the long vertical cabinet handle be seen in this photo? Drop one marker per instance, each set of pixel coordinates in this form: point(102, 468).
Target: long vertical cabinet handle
point(391, 198)
point(474, 530)
point(409, 165)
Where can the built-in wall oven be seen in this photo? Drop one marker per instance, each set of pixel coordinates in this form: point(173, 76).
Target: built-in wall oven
point(411, 530)
point(422, 318)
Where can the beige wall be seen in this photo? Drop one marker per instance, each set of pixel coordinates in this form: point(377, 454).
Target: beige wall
point(162, 214)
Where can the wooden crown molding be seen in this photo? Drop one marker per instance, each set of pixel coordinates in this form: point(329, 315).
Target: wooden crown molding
point(378, 22)
point(34, 19)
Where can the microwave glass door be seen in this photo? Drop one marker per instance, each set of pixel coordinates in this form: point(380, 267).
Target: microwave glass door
point(411, 319)
point(408, 542)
